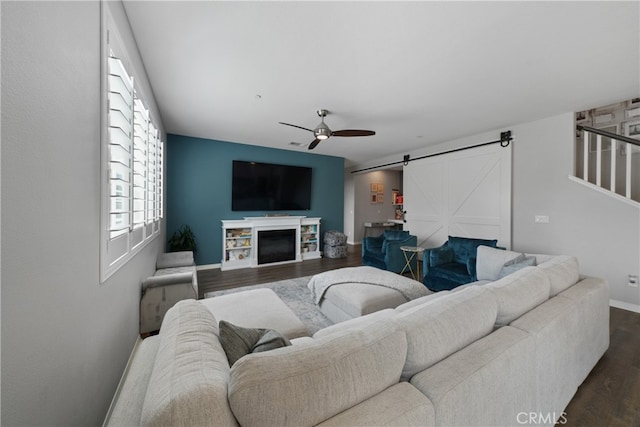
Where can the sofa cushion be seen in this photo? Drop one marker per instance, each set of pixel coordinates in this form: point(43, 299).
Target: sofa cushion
point(237, 341)
point(518, 293)
point(516, 264)
point(562, 271)
point(490, 261)
point(444, 325)
point(419, 301)
point(188, 385)
point(465, 248)
point(356, 322)
point(309, 383)
point(487, 383)
point(399, 405)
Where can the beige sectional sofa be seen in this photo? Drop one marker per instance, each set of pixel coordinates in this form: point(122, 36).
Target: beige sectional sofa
point(491, 353)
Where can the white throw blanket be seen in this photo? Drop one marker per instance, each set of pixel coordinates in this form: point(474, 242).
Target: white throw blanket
point(408, 288)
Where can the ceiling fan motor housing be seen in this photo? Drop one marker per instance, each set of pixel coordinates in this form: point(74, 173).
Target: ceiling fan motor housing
point(322, 131)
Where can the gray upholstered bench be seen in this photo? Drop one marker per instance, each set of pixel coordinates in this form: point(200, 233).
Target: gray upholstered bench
point(258, 308)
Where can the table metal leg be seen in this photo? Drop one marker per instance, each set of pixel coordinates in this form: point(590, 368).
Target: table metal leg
point(408, 264)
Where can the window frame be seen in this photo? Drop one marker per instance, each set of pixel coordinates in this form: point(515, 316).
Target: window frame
point(117, 250)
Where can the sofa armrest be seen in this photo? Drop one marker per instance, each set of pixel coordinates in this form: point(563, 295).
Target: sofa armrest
point(175, 259)
point(167, 280)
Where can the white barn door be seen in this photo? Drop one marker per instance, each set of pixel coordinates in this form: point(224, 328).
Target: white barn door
point(466, 194)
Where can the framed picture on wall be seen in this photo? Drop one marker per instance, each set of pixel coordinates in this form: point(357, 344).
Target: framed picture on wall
point(374, 197)
point(374, 188)
point(380, 188)
point(632, 129)
point(380, 198)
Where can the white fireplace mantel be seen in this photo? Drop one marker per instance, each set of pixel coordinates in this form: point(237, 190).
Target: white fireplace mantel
point(307, 239)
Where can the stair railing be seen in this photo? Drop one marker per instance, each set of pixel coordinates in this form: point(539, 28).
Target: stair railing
point(624, 141)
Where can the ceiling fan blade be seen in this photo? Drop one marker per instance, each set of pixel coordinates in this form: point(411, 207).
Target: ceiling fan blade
point(314, 143)
point(295, 126)
point(352, 132)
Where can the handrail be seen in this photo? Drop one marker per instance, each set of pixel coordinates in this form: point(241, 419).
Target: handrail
point(610, 135)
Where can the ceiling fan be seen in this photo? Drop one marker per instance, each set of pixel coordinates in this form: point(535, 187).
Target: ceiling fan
point(322, 131)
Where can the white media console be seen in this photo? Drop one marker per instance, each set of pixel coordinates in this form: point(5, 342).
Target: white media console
point(259, 241)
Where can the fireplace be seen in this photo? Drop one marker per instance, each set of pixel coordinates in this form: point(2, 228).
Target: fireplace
point(276, 246)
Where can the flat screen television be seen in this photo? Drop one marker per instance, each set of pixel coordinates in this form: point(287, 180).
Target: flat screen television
point(270, 187)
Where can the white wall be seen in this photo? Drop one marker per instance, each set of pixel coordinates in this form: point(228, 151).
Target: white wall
point(358, 206)
point(66, 337)
point(602, 232)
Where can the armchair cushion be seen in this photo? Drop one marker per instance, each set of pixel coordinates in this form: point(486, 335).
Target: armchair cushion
point(393, 236)
point(440, 255)
point(452, 271)
point(465, 248)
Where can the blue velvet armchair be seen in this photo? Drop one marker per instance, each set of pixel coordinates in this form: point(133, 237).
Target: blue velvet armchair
point(384, 251)
point(452, 264)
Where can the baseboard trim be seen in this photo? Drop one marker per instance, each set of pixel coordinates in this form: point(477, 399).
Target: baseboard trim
point(121, 382)
point(207, 266)
point(625, 305)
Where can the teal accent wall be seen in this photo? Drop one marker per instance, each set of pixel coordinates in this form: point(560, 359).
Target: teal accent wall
point(199, 188)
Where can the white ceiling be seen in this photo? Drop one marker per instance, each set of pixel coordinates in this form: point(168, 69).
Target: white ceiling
point(418, 73)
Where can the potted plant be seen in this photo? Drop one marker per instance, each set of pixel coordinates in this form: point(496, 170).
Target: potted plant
point(183, 240)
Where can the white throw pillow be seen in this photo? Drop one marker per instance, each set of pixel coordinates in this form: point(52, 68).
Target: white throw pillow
point(490, 261)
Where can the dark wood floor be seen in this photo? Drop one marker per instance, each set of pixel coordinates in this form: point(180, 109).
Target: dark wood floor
point(610, 396)
point(216, 280)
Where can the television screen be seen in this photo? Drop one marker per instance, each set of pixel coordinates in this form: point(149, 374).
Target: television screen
point(269, 187)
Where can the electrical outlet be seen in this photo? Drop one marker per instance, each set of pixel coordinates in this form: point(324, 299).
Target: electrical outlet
point(633, 281)
point(541, 219)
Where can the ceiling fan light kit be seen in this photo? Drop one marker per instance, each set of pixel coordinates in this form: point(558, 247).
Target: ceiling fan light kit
point(322, 131)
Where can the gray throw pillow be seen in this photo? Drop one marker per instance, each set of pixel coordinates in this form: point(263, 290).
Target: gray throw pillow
point(238, 341)
point(519, 262)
